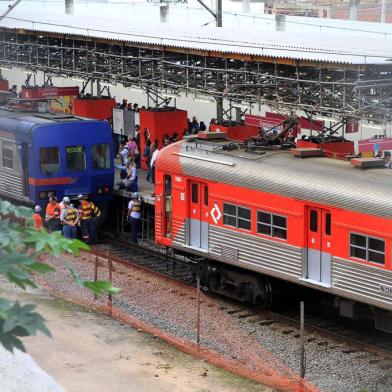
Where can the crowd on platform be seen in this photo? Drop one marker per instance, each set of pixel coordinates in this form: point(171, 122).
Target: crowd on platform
point(131, 156)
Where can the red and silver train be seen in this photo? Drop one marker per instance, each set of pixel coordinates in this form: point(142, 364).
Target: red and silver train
point(254, 216)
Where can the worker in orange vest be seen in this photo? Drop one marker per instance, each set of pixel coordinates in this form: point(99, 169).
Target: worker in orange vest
point(37, 218)
point(53, 215)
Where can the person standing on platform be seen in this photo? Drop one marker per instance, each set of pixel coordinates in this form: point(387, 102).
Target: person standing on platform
point(53, 215)
point(37, 218)
point(147, 158)
point(137, 140)
point(133, 150)
point(195, 127)
point(154, 155)
point(89, 216)
point(124, 104)
point(134, 209)
point(69, 219)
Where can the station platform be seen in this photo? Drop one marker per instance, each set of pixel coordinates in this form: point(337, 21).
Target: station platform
point(146, 189)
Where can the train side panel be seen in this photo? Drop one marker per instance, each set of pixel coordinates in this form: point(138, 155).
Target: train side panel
point(11, 167)
point(284, 258)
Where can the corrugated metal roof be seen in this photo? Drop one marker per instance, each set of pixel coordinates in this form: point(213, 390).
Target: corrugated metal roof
point(346, 48)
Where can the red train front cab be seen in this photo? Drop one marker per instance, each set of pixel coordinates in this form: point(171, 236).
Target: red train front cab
point(170, 187)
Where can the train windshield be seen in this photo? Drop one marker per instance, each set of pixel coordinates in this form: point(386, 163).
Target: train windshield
point(76, 158)
point(49, 160)
point(100, 156)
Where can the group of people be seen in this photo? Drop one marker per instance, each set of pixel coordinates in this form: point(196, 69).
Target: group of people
point(195, 126)
point(65, 217)
point(124, 105)
point(131, 159)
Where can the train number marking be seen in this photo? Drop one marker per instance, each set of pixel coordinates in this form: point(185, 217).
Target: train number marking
point(382, 288)
point(216, 213)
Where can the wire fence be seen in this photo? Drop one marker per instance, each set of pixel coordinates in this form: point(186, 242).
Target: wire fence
point(180, 314)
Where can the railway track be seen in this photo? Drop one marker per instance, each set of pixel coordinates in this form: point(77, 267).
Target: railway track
point(327, 334)
point(150, 256)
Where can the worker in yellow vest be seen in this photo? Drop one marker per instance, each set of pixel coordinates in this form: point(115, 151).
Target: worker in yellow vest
point(134, 209)
point(69, 219)
point(89, 216)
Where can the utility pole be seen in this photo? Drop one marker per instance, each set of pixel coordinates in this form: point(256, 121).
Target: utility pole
point(218, 16)
point(218, 19)
point(353, 4)
point(383, 10)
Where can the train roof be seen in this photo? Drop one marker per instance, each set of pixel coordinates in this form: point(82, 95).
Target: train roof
point(317, 179)
point(24, 121)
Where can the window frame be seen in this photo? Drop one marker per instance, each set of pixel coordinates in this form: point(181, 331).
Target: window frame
point(271, 225)
point(73, 170)
point(58, 163)
point(366, 248)
point(6, 146)
point(237, 217)
point(94, 155)
point(194, 193)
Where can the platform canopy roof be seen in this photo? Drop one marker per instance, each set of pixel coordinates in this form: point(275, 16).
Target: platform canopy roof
point(334, 42)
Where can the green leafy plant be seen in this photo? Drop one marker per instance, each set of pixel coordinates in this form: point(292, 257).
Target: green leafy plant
point(20, 246)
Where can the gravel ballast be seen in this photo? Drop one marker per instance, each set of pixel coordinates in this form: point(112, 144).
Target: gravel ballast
point(172, 308)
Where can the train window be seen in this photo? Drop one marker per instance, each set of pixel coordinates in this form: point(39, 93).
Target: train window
point(272, 225)
point(229, 215)
point(8, 155)
point(206, 195)
point(49, 159)
point(168, 185)
point(168, 206)
point(328, 223)
point(236, 216)
point(195, 193)
point(367, 248)
point(313, 220)
point(244, 218)
point(76, 158)
point(100, 156)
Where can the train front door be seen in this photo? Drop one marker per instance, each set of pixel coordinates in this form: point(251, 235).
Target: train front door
point(198, 214)
point(318, 260)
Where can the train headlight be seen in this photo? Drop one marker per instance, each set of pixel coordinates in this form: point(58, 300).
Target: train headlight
point(43, 195)
point(104, 190)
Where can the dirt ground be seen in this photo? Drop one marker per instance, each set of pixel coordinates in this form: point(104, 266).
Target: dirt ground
point(90, 351)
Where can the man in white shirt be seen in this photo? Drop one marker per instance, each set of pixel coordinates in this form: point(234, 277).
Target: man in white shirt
point(134, 208)
point(154, 156)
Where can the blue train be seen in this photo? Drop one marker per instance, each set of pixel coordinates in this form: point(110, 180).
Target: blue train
point(43, 153)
